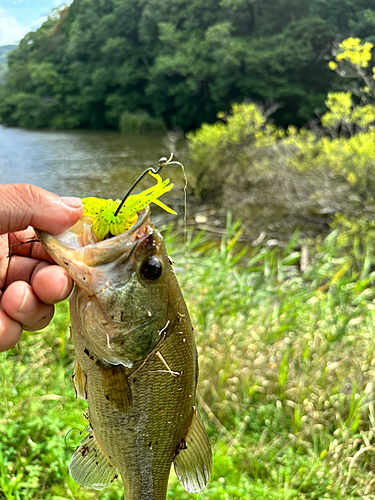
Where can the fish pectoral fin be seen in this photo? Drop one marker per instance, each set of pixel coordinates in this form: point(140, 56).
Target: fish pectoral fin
point(116, 387)
point(79, 381)
point(90, 467)
point(193, 457)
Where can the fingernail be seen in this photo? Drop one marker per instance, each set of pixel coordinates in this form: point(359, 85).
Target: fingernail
point(66, 287)
point(71, 201)
point(27, 304)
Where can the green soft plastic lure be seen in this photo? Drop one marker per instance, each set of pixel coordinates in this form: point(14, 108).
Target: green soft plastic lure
point(102, 212)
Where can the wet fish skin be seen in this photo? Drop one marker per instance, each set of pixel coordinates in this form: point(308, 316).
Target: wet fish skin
point(136, 365)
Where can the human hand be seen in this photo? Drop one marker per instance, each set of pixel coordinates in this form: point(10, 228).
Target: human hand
point(29, 284)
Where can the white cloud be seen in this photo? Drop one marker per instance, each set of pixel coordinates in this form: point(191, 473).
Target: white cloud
point(37, 24)
point(11, 31)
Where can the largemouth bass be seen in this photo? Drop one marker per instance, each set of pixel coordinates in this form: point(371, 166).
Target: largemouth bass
point(136, 363)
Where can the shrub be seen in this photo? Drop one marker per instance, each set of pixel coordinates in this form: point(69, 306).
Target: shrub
point(141, 122)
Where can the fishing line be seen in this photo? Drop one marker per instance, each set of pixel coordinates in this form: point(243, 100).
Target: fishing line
point(175, 162)
point(28, 241)
point(67, 434)
point(162, 163)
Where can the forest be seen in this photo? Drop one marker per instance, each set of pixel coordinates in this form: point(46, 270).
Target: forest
point(100, 63)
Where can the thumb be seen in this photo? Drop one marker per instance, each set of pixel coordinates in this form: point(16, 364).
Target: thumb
point(22, 205)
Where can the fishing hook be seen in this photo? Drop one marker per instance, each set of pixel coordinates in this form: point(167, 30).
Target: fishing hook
point(162, 163)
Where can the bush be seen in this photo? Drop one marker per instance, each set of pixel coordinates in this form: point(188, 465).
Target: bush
point(323, 170)
point(141, 122)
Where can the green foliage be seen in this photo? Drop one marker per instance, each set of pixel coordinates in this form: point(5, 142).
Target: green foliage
point(328, 169)
point(216, 150)
point(139, 123)
point(178, 61)
point(286, 376)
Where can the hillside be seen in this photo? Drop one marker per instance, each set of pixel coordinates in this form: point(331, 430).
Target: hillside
point(181, 62)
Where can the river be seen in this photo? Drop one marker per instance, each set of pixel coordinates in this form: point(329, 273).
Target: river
point(84, 162)
point(79, 163)
point(105, 163)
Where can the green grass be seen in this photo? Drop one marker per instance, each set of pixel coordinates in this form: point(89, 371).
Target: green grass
point(286, 388)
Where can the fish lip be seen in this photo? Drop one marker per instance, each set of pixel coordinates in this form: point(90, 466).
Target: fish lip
point(80, 261)
point(102, 252)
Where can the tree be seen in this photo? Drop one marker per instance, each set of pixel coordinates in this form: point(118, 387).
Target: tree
point(177, 61)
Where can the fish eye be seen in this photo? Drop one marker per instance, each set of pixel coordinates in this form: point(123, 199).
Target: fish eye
point(151, 268)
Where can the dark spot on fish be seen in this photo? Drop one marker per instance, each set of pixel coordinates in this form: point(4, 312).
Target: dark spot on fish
point(134, 380)
point(66, 263)
point(193, 328)
point(91, 436)
point(122, 316)
point(171, 261)
point(84, 450)
point(157, 442)
point(107, 398)
point(86, 351)
point(150, 445)
point(175, 381)
point(180, 447)
point(97, 463)
point(92, 358)
point(84, 279)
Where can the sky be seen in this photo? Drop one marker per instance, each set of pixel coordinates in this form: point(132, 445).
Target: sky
point(18, 17)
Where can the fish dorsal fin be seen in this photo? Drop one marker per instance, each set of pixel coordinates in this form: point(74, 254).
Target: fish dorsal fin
point(90, 467)
point(79, 381)
point(193, 461)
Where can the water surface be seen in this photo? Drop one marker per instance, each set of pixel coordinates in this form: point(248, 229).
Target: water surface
point(77, 163)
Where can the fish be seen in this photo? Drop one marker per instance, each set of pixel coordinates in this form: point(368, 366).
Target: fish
point(136, 363)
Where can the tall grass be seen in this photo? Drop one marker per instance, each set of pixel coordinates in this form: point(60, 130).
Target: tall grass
point(286, 383)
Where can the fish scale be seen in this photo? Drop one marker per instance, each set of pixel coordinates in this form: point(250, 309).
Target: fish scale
point(164, 428)
point(136, 365)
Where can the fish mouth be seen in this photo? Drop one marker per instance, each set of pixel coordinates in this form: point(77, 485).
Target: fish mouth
point(103, 252)
point(89, 263)
point(74, 245)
